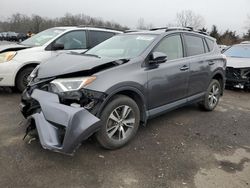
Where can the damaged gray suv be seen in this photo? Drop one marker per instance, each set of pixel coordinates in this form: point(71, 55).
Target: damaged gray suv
point(118, 85)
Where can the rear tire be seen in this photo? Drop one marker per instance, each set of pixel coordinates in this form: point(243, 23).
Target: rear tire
point(212, 96)
point(22, 78)
point(119, 122)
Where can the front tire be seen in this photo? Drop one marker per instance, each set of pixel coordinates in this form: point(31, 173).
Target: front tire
point(22, 78)
point(212, 96)
point(119, 122)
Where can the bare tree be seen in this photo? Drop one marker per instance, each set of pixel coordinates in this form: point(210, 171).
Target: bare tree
point(142, 25)
point(22, 23)
point(248, 22)
point(36, 22)
point(188, 18)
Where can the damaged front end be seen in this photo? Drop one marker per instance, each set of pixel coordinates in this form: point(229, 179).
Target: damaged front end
point(238, 78)
point(62, 119)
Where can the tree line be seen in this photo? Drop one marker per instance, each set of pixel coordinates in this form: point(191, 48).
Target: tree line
point(188, 18)
point(21, 23)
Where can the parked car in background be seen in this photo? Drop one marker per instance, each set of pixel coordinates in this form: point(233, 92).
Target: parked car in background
point(112, 88)
point(18, 60)
point(1, 36)
point(11, 36)
point(238, 66)
point(21, 37)
point(223, 47)
point(4, 36)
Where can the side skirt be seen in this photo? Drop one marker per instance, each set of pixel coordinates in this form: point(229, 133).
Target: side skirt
point(172, 106)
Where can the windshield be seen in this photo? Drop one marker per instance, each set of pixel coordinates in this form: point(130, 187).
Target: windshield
point(122, 46)
point(241, 51)
point(42, 37)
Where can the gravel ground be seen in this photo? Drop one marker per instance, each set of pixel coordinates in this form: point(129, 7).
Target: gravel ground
point(183, 148)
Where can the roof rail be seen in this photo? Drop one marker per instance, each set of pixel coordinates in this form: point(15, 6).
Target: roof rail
point(131, 30)
point(100, 27)
point(179, 28)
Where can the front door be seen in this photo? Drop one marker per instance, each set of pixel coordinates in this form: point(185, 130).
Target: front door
point(73, 41)
point(168, 82)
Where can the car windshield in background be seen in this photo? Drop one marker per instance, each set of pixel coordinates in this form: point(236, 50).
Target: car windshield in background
point(42, 37)
point(241, 51)
point(122, 46)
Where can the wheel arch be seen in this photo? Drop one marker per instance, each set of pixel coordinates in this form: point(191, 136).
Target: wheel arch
point(32, 64)
point(218, 75)
point(134, 94)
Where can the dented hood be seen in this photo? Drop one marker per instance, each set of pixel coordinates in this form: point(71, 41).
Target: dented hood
point(238, 62)
point(68, 63)
point(10, 47)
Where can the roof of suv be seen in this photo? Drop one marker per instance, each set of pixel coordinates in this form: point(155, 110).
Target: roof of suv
point(159, 31)
point(88, 28)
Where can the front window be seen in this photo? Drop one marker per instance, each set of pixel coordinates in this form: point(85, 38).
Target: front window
point(241, 51)
point(42, 37)
point(123, 46)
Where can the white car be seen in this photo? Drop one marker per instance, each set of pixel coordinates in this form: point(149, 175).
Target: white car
point(17, 61)
point(238, 66)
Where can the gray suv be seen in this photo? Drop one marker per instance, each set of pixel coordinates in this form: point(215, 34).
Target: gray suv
point(121, 83)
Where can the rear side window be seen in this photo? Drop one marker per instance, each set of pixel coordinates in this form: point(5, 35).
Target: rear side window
point(171, 46)
point(210, 44)
point(194, 45)
point(96, 37)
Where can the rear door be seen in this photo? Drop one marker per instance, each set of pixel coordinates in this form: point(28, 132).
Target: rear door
point(199, 68)
point(167, 82)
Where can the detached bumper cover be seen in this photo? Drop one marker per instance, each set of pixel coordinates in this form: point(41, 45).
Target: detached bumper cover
point(61, 128)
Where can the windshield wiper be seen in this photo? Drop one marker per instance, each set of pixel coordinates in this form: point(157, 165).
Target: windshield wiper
point(91, 55)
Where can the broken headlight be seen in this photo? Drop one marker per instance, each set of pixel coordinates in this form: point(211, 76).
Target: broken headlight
point(71, 84)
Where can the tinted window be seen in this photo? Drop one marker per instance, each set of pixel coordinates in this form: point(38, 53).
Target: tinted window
point(96, 37)
point(73, 40)
point(171, 46)
point(206, 47)
point(210, 44)
point(194, 45)
point(242, 51)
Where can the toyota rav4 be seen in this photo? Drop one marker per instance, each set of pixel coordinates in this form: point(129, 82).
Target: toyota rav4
point(121, 83)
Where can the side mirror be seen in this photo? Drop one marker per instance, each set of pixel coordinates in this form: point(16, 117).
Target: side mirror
point(57, 46)
point(157, 57)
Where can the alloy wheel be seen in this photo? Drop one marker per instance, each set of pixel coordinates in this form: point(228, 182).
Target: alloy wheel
point(120, 123)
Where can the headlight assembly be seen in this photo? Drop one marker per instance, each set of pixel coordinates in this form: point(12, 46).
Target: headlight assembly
point(71, 84)
point(7, 56)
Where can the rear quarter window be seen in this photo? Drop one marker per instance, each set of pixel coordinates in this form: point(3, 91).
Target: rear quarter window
point(210, 44)
point(194, 45)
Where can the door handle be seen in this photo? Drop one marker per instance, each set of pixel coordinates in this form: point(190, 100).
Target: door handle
point(211, 63)
point(184, 68)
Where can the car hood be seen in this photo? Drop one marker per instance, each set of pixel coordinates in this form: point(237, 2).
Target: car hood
point(238, 62)
point(12, 47)
point(72, 64)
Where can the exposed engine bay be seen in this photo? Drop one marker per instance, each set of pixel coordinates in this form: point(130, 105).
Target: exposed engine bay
point(238, 77)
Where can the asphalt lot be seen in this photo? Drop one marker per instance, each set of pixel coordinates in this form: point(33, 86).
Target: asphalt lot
point(184, 148)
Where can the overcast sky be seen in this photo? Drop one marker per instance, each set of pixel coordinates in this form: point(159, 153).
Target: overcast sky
point(226, 14)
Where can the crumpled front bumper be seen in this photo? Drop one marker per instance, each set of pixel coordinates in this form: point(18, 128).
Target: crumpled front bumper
point(61, 128)
point(238, 77)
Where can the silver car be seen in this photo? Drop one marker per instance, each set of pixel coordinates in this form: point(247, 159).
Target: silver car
point(17, 61)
